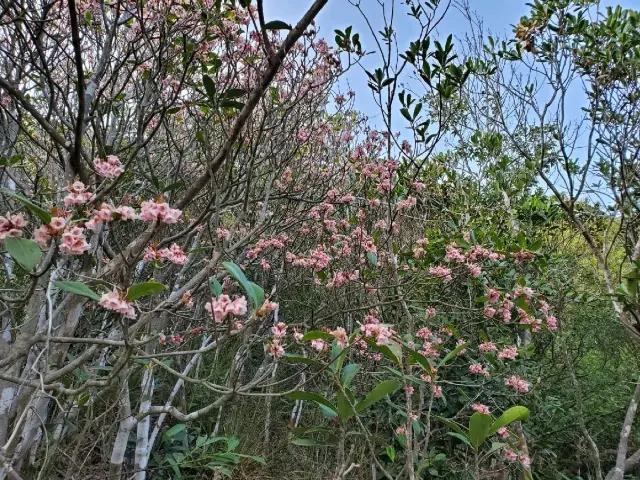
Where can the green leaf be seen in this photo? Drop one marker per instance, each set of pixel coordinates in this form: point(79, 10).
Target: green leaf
point(451, 424)
point(173, 431)
point(277, 25)
point(306, 442)
point(348, 372)
point(144, 289)
point(373, 258)
point(478, 429)
point(453, 353)
point(255, 293)
point(315, 334)
point(522, 303)
point(419, 358)
point(35, 209)
point(232, 104)
point(495, 446)
point(460, 436)
point(514, 414)
point(25, 252)
point(313, 397)
point(298, 359)
point(255, 458)
point(209, 86)
point(392, 350)
point(391, 453)
point(378, 393)
point(345, 410)
point(215, 286)
point(234, 93)
point(78, 288)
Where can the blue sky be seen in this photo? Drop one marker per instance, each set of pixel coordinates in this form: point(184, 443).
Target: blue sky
point(497, 16)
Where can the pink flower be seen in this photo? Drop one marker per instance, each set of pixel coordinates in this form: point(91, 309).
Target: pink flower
point(487, 347)
point(265, 265)
point(517, 384)
point(223, 233)
point(174, 254)
point(111, 167)
point(503, 433)
point(279, 330)
point(318, 344)
point(552, 323)
point(115, 301)
point(441, 272)
point(74, 242)
point(474, 269)
point(297, 335)
point(340, 334)
point(508, 353)
point(489, 312)
point(151, 211)
point(238, 307)
point(274, 349)
point(436, 390)
point(479, 407)
point(430, 313)
point(12, 225)
point(510, 455)
point(478, 369)
point(78, 194)
point(494, 295)
point(126, 213)
point(41, 235)
point(402, 430)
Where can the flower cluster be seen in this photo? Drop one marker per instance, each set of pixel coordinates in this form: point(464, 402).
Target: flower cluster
point(151, 211)
point(111, 167)
point(115, 301)
point(173, 254)
point(223, 306)
point(78, 195)
point(517, 384)
point(12, 225)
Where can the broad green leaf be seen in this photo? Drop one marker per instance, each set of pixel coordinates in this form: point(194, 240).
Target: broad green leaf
point(309, 442)
point(495, 446)
point(392, 350)
point(255, 293)
point(215, 286)
point(35, 209)
point(373, 258)
point(391, 453)
point(312, 397)
point(514, 414)
point(298, 359)
point(418, 358)
point(277, 25)
point(144, 289)
point(173, 431)
point(478, 429)
point(255, 458)
point(453, 353)
point(78, 288)
point(348, 372)
point(451, 424)
point(315, 334)
point(209, 86)
point(378, 393)
point(337, 357)
point(522, 303)
point(327, 412)
point(25, 252)
point(345, 410)
point(461, 436)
